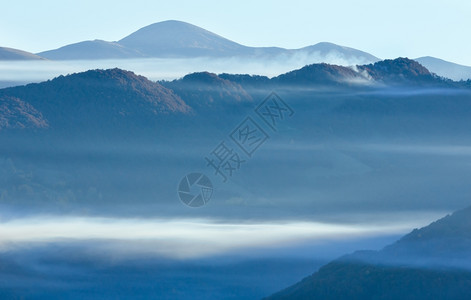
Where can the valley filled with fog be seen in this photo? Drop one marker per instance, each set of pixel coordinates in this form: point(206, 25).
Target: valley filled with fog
point(354, 167)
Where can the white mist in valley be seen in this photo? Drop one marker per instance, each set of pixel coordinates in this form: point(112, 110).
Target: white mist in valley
point(21, 72)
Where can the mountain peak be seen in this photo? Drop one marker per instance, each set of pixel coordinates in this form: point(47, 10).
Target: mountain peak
point(100, 98)
point(320, 74)
point(398, 70)
point(171, 24)
point(177, 38)
point(164, 28)
point(402, 63)
point(117, 74)
point(202, 77)
point(205, 89)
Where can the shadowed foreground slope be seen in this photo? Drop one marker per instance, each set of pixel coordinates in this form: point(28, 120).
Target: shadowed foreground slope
point(429, 263)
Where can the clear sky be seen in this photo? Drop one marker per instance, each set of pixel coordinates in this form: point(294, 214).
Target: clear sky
point(387, 29)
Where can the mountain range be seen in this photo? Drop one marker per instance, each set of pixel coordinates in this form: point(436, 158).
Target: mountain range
point(109, 97)
point(429, 263)
point(114, 103)
point(176, 39)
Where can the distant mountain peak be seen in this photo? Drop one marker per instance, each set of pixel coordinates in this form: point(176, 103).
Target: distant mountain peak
point(335, 54)
point(177, 38)
point(16, 54)
point(445, 68)
point(163, 29)
point(169, 26)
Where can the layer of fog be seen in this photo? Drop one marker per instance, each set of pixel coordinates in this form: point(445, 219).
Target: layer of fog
point(309, 181)
point(194, 238)
point(160, 69)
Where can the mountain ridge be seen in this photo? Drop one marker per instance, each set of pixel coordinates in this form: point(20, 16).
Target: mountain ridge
point(445, 68)
point(17, 54)
point(177, 39)
point(427, 263)
point(110, 96)
point(98, 97)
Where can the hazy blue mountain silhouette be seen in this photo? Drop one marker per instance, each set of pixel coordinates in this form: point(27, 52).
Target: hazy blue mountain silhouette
point(96, 49)
point(16, 54)
point(180, 39)
point(445, 68)
point(184, 40)
point(429, 263)
point(325, 49)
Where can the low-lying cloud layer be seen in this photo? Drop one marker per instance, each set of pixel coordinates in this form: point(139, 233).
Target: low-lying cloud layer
point(188, 238)
point(162, 68)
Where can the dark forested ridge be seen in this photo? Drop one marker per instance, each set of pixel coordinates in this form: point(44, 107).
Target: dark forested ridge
point(106, 99)
point(429, 263)
point(113, 97)
point(92, 97)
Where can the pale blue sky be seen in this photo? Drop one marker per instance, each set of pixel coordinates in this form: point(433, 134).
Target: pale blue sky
point(386, 29)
